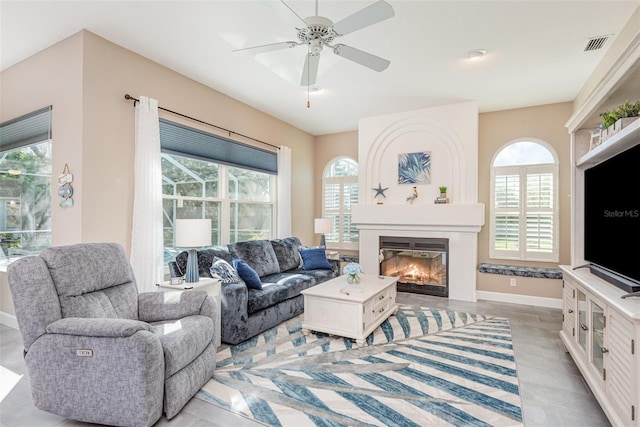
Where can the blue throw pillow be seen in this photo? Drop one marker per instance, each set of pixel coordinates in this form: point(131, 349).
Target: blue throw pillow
point(247, 273)
point(315, 259)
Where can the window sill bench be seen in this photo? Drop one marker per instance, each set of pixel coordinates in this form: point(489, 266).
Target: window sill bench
point(518, 270)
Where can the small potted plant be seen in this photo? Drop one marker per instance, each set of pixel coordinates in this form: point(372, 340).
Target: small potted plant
point(443, 191)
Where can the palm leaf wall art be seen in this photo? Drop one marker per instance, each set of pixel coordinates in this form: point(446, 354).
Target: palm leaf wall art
point(414, 168)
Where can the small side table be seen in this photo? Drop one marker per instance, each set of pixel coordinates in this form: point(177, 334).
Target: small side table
point(333, 255)
point(213, 287)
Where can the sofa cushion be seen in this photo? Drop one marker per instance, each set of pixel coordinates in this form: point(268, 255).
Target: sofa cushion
point(259, 254)
point(225, 271)
point(315, 259)
point(247, 274)
point(277, 288)
point(318, 276)
point(287, 252)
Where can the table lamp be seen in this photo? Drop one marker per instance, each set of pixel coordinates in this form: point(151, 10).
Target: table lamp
point(322, 226)
point(193, 233)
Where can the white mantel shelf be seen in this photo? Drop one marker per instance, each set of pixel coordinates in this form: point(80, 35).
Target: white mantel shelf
point(458, 217)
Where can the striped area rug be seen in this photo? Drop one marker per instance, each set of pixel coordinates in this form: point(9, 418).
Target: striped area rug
point(421, 367)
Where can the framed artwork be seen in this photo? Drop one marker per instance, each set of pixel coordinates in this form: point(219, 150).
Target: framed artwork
point(414, 168)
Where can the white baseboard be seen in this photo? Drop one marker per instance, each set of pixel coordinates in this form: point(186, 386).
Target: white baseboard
point(8, 320)
point(520, 299)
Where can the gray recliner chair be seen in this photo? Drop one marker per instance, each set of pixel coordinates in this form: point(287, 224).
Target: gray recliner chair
point(98, 351)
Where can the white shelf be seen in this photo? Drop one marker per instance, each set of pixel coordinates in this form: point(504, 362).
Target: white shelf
point(626, 138)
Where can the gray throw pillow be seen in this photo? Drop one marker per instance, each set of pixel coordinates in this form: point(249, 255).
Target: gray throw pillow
point(225, 271)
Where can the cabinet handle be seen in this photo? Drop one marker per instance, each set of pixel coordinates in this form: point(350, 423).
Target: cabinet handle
point(584, 327)
point(570, 310)
point(605, 350)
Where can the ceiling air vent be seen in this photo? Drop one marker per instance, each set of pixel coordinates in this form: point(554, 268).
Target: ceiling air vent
point(596, 43)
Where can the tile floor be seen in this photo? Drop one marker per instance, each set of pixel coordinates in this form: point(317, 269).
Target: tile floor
point(553, 391)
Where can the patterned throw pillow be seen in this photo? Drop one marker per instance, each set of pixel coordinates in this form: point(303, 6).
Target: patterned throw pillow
point(223, 270)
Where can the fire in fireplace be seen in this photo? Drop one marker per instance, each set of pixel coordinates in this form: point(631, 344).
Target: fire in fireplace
point(420, 264)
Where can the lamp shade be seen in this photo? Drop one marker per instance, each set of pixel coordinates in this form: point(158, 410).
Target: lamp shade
point(322, 225)
point(192, 233)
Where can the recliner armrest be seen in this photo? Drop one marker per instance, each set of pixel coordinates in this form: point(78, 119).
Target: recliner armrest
point(159, 306)
point(99, 327)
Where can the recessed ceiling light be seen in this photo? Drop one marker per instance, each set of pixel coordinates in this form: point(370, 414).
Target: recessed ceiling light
point(475, 54)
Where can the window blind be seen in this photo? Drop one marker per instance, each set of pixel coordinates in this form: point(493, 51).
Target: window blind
point(185, 141)
point(24, 130)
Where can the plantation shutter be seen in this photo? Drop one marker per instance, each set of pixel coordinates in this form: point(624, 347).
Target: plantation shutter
point(507, 211)
point(349, 231)
point(539, 226)
point(331, 205)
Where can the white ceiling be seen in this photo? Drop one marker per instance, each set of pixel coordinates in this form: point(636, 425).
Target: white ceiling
point(536, 50)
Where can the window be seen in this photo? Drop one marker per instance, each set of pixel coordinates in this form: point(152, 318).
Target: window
point(199, 183)
point(339, 193)
point(524, 208)
point(25, 185)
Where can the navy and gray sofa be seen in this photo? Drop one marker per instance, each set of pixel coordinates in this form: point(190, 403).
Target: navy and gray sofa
point(246, 312)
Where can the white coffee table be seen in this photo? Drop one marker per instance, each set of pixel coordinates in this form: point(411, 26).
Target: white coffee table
point(337, 308)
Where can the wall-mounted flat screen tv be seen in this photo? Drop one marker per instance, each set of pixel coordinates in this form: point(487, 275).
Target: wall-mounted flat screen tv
point(612, 219)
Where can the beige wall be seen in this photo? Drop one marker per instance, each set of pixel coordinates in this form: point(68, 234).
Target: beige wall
point(85, 78)
point(496, 129)
point(326, 149)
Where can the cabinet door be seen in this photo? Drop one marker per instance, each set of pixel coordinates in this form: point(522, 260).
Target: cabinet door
point(621, 364)
point(583, 326)
point(597, 328)
point(569, 308)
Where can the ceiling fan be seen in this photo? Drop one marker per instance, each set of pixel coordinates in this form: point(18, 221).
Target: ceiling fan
point(319, 32)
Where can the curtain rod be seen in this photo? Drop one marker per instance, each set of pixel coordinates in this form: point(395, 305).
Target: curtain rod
point(230, 132)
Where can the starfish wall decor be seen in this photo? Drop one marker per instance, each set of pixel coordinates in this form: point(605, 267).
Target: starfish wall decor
point(380, 192)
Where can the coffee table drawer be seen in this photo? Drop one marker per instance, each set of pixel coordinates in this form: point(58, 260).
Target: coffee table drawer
point(378, 301)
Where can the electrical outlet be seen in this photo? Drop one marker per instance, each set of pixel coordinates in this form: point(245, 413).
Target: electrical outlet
point(512, 281)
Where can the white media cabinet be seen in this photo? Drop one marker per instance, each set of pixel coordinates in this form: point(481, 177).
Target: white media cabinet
point(601, 331)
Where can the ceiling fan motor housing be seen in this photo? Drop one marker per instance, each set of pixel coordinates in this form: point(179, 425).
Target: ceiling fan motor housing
point(319, 32)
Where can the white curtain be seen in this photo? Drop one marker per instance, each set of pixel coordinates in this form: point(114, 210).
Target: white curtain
point(284, 192)
point(146, 234)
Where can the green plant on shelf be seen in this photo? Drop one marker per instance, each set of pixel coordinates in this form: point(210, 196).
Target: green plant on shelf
point(621, 111)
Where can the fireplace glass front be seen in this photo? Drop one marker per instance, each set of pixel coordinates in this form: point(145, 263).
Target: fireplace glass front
point(420, 264)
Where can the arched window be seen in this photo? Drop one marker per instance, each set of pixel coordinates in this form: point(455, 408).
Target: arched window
point(524, 202)
point(339, 193)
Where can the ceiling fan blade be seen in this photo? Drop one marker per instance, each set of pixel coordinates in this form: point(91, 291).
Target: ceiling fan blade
point(304, 24)
point(310, 70)
point(378, 11)
point(363, 58)
point(266, 47)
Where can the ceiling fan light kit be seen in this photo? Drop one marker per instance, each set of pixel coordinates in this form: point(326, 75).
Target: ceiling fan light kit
point(319, 31)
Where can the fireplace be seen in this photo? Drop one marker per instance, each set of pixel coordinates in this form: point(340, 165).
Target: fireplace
point(420, 264)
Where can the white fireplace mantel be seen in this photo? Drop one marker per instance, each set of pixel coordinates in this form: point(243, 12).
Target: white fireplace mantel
point(450, 217)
